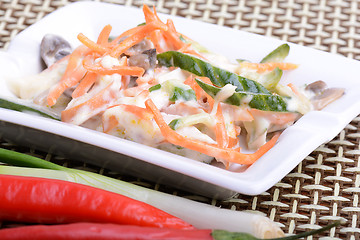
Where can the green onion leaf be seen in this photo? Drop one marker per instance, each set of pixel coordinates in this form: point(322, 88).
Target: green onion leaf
point(155, 87)
point(27, 109)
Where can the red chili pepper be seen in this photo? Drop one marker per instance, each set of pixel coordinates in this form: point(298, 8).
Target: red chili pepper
point(96, 231)
point(40, 200)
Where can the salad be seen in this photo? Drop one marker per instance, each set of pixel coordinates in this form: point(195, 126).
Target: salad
point(158, 87)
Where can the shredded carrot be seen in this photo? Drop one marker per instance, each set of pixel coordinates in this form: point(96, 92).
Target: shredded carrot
point(136, 37)
point(104, 35)
point(294, 89)
point(157, 38)
point(187, 49)
point(150, 16)
point(122, 36)
point(134, 91)
point(264, 67)
point(92, 45)
point(279, 118)
point(140, 112)
point(172, 35)
point(84, 85)
point(233, 142)
point(54, 65)
point(73, 74)
point(94, 105)
point(197, 89)
point(227, 154)
point(109, 124)
point(243, 114)
point(199, 92)
point(122, 70)
point(221, 135)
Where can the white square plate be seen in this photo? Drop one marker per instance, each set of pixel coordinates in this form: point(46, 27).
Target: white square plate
point(296, 142)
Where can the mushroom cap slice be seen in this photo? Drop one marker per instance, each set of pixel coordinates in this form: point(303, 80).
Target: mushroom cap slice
point(326, 97)
point(53, 48)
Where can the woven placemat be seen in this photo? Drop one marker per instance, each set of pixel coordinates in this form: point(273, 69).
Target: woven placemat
point(323, 187)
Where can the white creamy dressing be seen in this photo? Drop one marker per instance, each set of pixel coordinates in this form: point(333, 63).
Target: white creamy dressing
point(196, 122)
point(227, 91)
point(220, 61)
point(194, 133)
point(132, 128)
point(257, 131)
point(176, 74)
point(85, 112)
point(109, 62)
point(32, 86)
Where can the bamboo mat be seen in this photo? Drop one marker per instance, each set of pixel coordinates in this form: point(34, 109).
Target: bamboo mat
point(323, 187)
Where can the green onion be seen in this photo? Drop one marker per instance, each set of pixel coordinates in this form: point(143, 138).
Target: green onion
point(200, 215)
point(26, 109)
point(155, 87)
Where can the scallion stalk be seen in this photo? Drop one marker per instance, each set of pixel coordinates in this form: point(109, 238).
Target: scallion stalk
point(200, 215)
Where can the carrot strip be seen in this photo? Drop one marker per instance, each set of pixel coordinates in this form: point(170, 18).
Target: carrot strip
point(172, 35)
point(264, 67)
point(221, 135)
point(294, 89)
point(233, 142)
point(187, 49)
point(157, 38)
point(134, 91)
point(197, 89)
point(92, 45)
point(73, 74)
point(199, 92)
point(279, 118)
point(122, 70)
point(123, 35)
point(243, 114)
point(84, 85)
point(109, 124)
point(54, 65)
point(94, 105)
point(227, 154)
point(149, 15)
point(140, 112)
point(136, 37)
point(104, 35)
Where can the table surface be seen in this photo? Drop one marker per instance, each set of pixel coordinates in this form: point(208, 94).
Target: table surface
point(325, 185)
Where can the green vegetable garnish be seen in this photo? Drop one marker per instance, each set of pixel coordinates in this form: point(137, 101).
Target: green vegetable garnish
point(277, 55)
point(180, 93)
point(265, 102)
point(271, 79)
point(217, 76)
point(23, 108)
point(155, 87)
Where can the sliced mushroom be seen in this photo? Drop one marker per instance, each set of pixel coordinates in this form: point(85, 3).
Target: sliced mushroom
point(322, 95)
point(316, 87)
point(140, 47)
point(326, 97)
point(145, 60)
point(53, 48)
